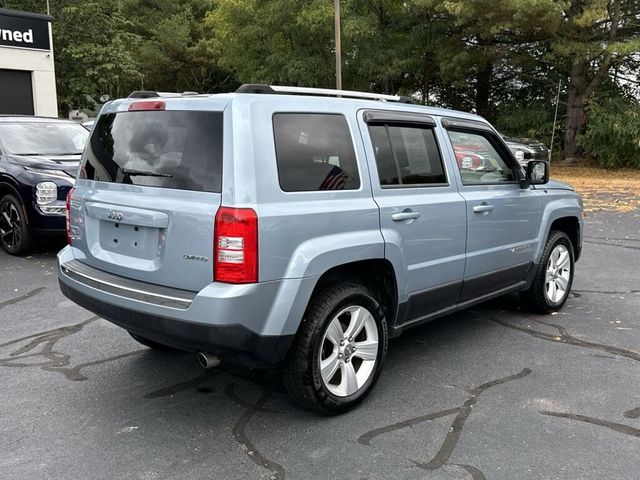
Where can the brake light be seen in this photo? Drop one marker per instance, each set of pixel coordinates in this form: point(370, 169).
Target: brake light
point(236, 245)
point(68, 215)
point(147, 105)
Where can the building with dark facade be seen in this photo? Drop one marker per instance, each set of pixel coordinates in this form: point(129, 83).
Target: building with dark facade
point(27, 75)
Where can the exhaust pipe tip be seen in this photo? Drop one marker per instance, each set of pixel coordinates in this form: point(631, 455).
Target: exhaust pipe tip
point(208, 360)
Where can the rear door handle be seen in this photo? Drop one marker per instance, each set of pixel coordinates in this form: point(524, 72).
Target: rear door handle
point(482, 208)
point(407, 214)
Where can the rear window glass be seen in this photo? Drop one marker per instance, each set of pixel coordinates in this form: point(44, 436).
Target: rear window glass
point(170, 149)
point(314, 152)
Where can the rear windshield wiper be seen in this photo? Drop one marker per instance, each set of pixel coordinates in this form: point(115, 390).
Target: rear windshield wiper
point(142, 173)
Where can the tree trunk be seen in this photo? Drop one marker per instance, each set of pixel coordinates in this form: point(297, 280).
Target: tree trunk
point(483, 90)
point(576, 116)
point(575, 124)
point(584, 82)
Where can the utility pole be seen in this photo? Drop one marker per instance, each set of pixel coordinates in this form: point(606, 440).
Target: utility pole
point(336, 7)
point(555, 119)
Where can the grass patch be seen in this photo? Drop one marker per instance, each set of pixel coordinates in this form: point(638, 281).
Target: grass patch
point(602, 189)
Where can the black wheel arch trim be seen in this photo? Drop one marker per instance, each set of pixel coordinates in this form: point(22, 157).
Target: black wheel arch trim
point(6, 182)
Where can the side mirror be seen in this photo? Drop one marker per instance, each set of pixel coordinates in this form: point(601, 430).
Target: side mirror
point(537, 172)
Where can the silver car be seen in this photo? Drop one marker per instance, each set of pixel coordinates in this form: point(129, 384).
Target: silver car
point(302, 228)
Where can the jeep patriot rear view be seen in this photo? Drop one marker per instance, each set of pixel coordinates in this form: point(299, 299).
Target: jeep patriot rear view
point(280, 226)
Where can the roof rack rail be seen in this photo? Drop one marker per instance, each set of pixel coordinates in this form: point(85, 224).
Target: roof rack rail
point(274, 89)
point(154, 94)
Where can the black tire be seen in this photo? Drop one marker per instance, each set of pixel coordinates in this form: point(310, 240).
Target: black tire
point(15, 237)
point(301, 371)
point(536, 298)
point(151, 344)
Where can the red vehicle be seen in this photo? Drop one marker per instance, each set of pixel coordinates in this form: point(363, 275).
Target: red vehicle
point(470, 153)
point(468, 160)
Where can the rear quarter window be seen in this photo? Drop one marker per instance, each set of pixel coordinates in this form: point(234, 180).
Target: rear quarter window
point(314, 152)
point(171, 149)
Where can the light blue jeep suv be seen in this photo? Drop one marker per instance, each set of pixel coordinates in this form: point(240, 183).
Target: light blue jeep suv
point(303, 228)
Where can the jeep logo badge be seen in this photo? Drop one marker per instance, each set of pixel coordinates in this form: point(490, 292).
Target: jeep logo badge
point(114, 215)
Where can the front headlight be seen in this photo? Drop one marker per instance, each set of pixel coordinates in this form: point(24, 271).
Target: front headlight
point(520, 155)
point(46, 192)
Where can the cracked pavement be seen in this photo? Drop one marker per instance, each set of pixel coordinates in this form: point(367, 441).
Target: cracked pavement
point(489, 393)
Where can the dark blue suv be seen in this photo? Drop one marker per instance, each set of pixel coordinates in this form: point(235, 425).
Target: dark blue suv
point(39, 160)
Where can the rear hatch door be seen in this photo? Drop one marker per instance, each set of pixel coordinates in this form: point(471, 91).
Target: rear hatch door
point(149, 189)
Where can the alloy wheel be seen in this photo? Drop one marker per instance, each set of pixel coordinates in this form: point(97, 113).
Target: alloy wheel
point(349, 351)
point(10, 225)
point(558, 274)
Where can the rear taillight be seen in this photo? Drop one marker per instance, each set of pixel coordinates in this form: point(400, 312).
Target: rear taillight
point(236, 245)
point(68, 215)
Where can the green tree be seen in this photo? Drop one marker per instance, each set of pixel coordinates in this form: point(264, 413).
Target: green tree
point(395, 47)
point(92, 52)
point(34, 6)
point(492, 43)
point(387, 45)
point(278, 41)
point(375, 42)
point(593, 39)
point(612, 135)
point(501, 58)
point(174, 52)
point(584, 41)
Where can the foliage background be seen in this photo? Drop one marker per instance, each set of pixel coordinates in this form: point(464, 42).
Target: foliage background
point(503, 59)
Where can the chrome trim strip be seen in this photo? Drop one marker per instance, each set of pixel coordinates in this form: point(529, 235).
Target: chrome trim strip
point(59, 210)
point(127, 288)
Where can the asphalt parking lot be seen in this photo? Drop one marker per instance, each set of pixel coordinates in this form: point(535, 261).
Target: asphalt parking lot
point(490, 393)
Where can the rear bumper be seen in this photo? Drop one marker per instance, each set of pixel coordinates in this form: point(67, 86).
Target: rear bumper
point(233, 343)
point(251, 325)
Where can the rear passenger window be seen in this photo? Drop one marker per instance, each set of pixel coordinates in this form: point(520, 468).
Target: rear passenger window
point(314, 152)
point(407, 155)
